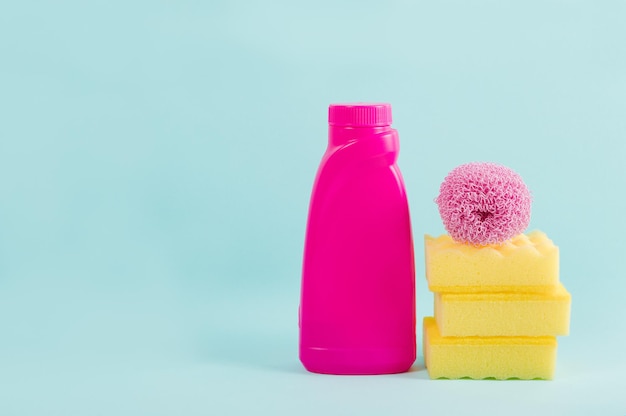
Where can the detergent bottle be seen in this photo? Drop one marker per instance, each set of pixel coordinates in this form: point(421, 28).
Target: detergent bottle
point(357, 304)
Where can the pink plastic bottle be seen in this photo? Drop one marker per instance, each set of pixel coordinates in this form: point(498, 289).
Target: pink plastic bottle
point(357, 309)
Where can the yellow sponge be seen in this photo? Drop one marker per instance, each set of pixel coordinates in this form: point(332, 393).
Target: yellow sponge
point(501, 358)
point(503, 314)
point(526, 263)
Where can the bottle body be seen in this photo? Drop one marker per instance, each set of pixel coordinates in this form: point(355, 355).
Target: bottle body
point(357, 309)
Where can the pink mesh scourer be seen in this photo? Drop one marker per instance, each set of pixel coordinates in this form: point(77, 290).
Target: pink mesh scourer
point(483, 203)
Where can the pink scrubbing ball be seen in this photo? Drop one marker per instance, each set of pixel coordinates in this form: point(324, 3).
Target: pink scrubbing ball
point(483, 203)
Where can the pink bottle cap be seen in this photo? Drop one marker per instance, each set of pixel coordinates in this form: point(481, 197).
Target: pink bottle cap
point(359, 115)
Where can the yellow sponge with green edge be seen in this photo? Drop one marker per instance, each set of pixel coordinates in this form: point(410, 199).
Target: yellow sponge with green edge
point(526, 263)
point(500, 358)
point(503, 314)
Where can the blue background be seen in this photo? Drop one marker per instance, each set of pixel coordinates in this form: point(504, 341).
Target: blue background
point(156, 161)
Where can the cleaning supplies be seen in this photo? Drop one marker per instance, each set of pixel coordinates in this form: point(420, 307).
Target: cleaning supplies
point(357, 308)
point(499, 304)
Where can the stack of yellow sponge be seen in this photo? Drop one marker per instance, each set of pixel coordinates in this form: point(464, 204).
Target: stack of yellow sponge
point(498, 308)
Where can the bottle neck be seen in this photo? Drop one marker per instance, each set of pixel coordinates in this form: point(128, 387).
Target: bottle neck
point(341, 135)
